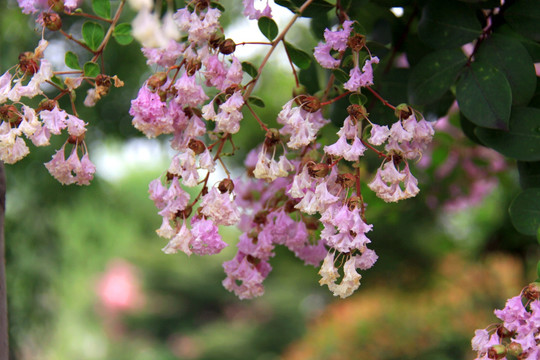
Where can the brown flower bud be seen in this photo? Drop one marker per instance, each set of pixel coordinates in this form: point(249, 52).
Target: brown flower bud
point(56, 5)
point(72, 139)
point(52, 21)
point(289, 206)
point(202, 4)
point(227, 47)
point(232, 89)
point(356, 42)
point(48, 104)
point(346, 180)
point(260, 217)
point(403, 111)
point(190, 111)
point(357, 112)
point(226, 185)
point(497, 352)
point(317, 170)
point(9, 113)
point(271, 138)
point(532, 291)
point(197, 146)
point(184, 214)
point(503, 332)
point(215, 40)
point(311, 223)
point(157, 80)
point(354, 202)
point(309, 103)
point(28, 63)
point(193, 66)
point(169, 176)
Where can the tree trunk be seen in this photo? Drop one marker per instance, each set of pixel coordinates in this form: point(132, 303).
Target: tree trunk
point(4, 342)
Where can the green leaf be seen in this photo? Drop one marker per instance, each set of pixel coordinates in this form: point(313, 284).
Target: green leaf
point(122, 34)
point(358, 99)
point(525, 211)
point(102, 8)
point(92, 34)
point(299, 57)
point(529, 174)
point(91, 69)
point(434, 75)
point(72, 60)
point(448, 24)
point(316, 8)
point(340, 75)
point(510, 57)
point(484, 96)
point(524, 17)
point(249, 68)
point(257, 101)
point(532, 47)
point(436, 110)
point(521, 141)
point(268, 28)
point(310, 78)
point(468, 129)
point(216, 5)
point(57, 81)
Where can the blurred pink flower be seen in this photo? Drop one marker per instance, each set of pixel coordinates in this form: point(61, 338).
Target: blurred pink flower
point(118, 288)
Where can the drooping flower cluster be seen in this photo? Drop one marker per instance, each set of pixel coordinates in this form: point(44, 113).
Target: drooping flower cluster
point(519, 333)
point(38, 125)
point(297, 194)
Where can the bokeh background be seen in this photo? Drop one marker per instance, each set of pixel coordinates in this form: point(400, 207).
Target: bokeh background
point(87, 278)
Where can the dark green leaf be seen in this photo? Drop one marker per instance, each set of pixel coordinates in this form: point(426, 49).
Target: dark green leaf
point(393, 84)
point(525, 211)
point(248, 68)
point(538, 269)
point(72, 60)
point(216, 5)
point(268, 27)
point(91, 69)
point(532, 47)
point(510, 57)
point(299, 57)
point(288, 4)
point(521, 141)
point(468, 129)
point(316, 8)
point(434, 75)
point(484, 96)
point(439, 108)
point(310, 78)
point(340, 75)
point(92, 34)
point(524, 17)
point(358, 99)
point(529, 174)
point(257, 101)
point(122, 34)
point(102, 8)
point(448, 24)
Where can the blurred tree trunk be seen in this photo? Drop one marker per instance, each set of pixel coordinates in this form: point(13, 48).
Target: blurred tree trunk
point(4, 343)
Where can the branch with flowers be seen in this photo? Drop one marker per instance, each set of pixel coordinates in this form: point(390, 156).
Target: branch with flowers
point(301, 190)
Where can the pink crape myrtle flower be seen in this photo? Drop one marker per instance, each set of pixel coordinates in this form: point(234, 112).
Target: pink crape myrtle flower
point(118, 289)
point(253, 13)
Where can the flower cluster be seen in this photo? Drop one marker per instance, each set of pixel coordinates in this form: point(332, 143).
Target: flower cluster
point(297, 194)
point(519, 333)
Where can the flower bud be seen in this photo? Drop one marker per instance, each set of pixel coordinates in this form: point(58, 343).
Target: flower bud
point(193, 66)
point(403, 111)
point(184, 214)
point(356, 42)
point(514, 349)
point(271, 138)
point(226, 185)
point(216, 39)
point(354, 202)
point(197, 146)
point(357, 112)
point(52, 21)
point(9, 113)
point(56, 5)
point(497, 352)
point(28, 63)
point(532, 292)
point(232, 89)
point(47, 104)
point(346, 180)
point(260, 217)
point(227, 47)
point(503, 332)
point(72, 139)
point(289, 206)
point(309, 103)
point(318, 170)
